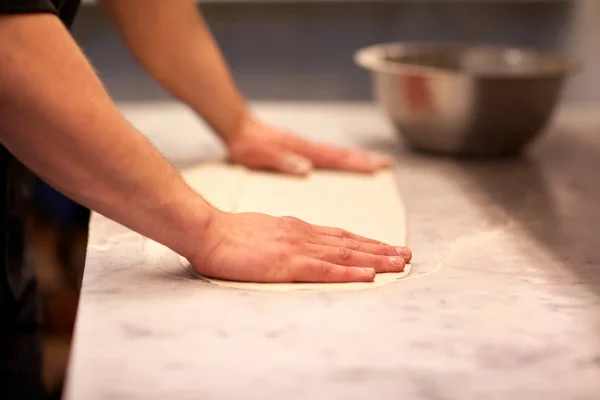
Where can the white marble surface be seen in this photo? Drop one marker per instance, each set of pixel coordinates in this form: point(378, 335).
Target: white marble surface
point(503, 304)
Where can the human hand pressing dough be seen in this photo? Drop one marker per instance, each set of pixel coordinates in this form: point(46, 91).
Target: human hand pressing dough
point(260, 146)
point(253, 247)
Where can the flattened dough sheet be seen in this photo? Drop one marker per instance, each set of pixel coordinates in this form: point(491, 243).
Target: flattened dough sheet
point(368, 205)
point(220, 184)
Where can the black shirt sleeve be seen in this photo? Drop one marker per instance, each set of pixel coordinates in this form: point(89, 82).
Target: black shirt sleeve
point(27, 6)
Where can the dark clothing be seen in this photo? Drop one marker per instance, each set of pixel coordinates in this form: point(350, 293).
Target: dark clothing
point(20, 335)
point(64, 9)
point(20, 322)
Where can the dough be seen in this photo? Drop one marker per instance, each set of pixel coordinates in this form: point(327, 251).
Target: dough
point(369, 205)
point(220, 184)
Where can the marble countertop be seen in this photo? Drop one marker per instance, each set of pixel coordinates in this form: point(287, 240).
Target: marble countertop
point(503, 303)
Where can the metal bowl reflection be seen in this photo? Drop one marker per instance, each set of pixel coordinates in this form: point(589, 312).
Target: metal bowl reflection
point(465, 100)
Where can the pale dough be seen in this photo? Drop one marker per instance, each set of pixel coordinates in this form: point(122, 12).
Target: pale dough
point(220, 184)
point(368, 205)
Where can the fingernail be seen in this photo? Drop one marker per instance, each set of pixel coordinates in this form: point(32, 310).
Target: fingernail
point(397, 260)
point(297, 164)
point(404, 252)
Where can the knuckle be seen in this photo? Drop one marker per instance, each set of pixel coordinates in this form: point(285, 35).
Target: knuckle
point(283, 257)
point(342, 233)
point(345, 253)
point(387, 249)
point(324, 268)
point(294, 223)
point(351, 244)
point(294, 239)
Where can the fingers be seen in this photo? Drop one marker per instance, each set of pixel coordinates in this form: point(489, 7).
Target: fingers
point(319, 271)
point(342, 238)
point(324, 156)
point(381, 249)
point(351, 258)
point(342, 234)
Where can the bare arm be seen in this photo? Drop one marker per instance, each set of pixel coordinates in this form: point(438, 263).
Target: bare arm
point(58, 120)
point(56, 117)
point(174, 43)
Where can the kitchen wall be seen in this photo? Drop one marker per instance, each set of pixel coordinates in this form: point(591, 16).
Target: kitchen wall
point(583, 41)
point(302, 50)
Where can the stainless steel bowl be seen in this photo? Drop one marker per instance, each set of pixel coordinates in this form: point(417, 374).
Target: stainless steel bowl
point(465, 100)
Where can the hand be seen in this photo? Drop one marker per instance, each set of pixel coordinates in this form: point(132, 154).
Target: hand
point(257, 145)
point(255, 247)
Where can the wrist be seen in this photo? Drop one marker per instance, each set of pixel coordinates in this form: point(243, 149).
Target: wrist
point(236, 128)
point(193, 219)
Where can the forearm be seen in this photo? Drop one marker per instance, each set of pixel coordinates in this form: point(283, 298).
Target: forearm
point(58, 120)
point(175, 45)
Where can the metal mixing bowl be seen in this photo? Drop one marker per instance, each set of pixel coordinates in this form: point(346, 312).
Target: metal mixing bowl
point(465, 100)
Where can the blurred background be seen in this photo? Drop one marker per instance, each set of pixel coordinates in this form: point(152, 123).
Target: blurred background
point(302, 49)
point(291, 51)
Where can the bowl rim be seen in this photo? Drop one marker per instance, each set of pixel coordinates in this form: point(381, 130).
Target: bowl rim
point(372, 58)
